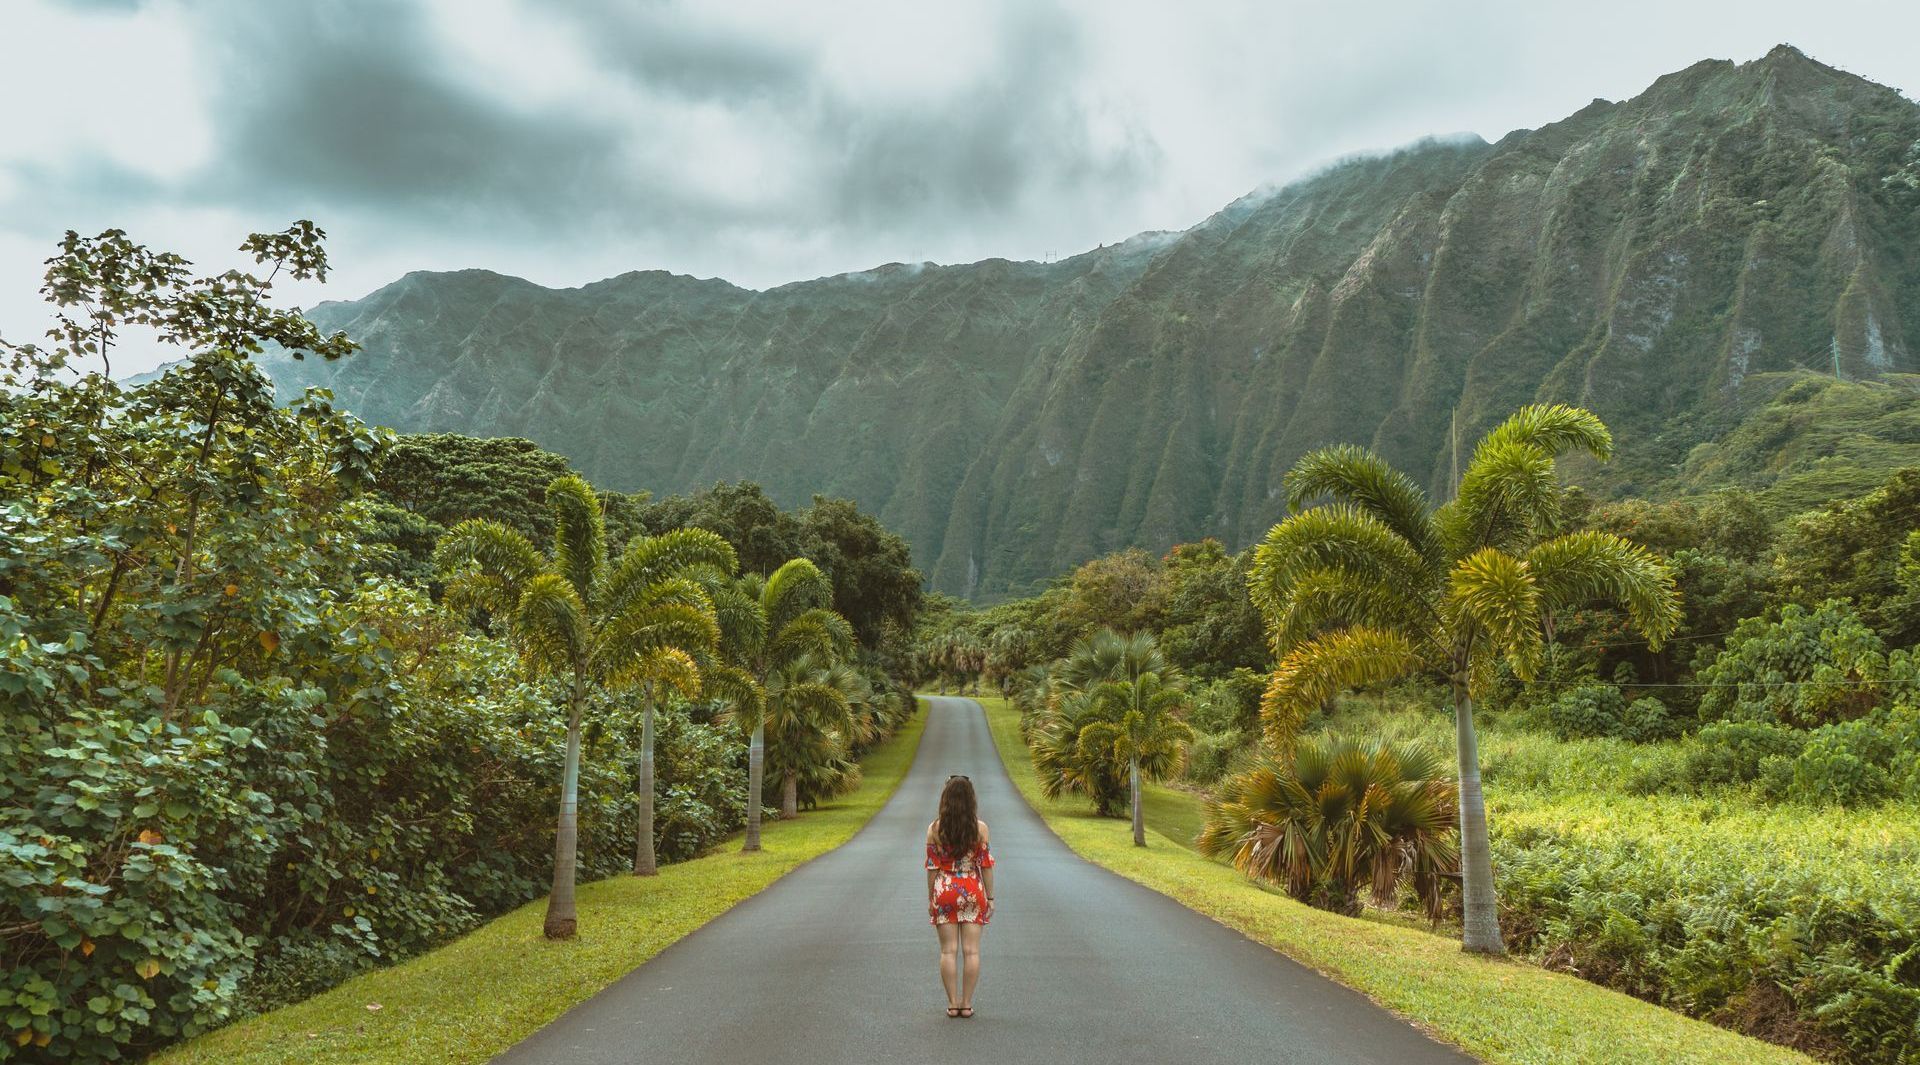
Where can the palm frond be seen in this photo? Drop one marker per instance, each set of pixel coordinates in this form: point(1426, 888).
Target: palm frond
point(668, 667)
point(1498, 593)
point(485, 565)
point(1358, 476)
point(642, 630)
point(818, 634)
point(579, 533)
point(1363, 551)
point(1554, 428)
point(743, 624)
point(1509, 491)
point(795, 588)
point(744, 698)
point(1585, 566)
point(551, 624)
point(675, 553)
point(1320, 668)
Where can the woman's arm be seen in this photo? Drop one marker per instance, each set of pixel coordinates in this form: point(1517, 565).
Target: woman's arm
point(932, 874)
point(986, 875)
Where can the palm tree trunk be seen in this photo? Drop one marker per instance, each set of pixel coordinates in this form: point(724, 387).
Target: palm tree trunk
point(756, 766)
point(1480, 923)
point(1139, 821)
point(562, 921)
point(644, 863)
point(790, 796)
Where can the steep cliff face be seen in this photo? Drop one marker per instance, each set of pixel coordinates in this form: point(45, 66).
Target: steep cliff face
point(1645, 258)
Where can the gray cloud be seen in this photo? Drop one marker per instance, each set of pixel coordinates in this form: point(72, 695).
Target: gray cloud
point(566, 141)
point(364, 114)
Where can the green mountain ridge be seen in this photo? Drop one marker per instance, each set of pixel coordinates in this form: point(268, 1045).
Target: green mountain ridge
point(1663, 260)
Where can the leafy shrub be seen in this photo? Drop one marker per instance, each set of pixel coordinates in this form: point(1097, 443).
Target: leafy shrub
point(1656, 769)
point(1589, 710)
point(1229, 704)
point(1731, 752)
point(1834, 767)
point(1805, 668)
point(1212, 755)
point(1646, 720)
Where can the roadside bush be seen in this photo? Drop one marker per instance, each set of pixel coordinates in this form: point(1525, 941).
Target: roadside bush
point(1229, 704)
point(1847, 764)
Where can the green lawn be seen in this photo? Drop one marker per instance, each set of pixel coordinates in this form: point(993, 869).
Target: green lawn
point(484, 992)
point(1498, 1010)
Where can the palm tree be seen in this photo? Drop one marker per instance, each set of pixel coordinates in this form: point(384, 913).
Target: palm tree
point(1376, 585)
point(1334, 817)
point(768, 624)
point(1145, 730)
point(810, 717)
point(575, 617)
point(677, 555)
point(1076, 746)
point(1009, 647)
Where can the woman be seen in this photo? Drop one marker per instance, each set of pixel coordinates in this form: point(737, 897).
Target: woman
point(959, 891)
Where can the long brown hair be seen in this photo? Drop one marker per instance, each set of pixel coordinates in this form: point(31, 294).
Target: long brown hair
point(958, 831)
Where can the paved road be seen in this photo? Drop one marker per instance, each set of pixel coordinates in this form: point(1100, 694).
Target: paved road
point(836, 963)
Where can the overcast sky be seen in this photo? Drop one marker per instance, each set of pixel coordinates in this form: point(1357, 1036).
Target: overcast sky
point(569, 140)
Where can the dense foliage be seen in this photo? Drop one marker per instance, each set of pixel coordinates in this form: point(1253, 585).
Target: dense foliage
point(1723, 824)
point(241, 756)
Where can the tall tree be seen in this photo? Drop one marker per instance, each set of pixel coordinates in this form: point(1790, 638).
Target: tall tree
point(1376, 585)
point(574, 616)
point(653, 563)
point(769, 625)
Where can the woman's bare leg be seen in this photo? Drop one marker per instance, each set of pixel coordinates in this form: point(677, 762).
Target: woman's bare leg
point(949, 958)
point(970, 955)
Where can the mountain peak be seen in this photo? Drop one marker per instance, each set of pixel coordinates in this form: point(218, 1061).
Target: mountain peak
point(1730, 223)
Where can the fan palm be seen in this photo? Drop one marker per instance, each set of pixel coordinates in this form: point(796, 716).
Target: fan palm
point(1140, 719)
point(1376, 585)
point(1334, 817)
point(767, 625)
point(1073, 738)
point(573, 616)
point(809, 718)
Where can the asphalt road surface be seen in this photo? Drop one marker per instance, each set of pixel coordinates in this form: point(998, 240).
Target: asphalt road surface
point(836, 963)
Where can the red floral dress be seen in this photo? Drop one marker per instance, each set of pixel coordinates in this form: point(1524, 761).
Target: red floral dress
point(958, 897)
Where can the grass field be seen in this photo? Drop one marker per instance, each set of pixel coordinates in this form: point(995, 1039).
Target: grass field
point(482, 993)
point(1499, 1010)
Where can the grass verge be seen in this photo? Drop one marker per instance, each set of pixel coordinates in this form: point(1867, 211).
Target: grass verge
point(482, 993)
point(1498, 1010)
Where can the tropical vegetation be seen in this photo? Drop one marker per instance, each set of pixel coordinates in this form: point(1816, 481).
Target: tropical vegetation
point(254, 741)
point(1719, 821)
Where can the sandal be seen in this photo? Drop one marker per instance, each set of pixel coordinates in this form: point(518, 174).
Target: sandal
point(953, 1011)
point(966, 1013)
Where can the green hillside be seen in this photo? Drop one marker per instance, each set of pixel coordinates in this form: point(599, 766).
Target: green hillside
point(1663, 260)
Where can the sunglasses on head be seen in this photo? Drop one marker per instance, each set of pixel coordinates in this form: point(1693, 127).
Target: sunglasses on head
point(961, 776)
